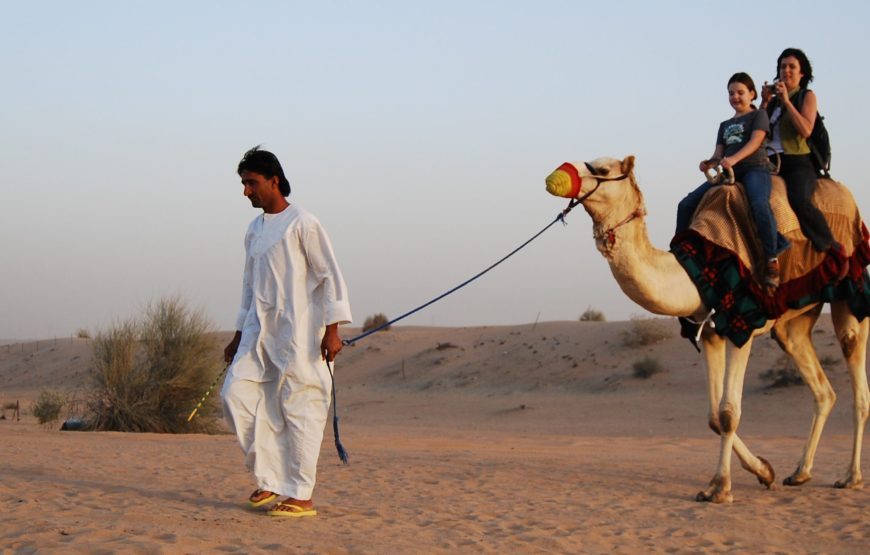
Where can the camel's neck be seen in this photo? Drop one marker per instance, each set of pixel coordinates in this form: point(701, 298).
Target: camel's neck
point(650, 277)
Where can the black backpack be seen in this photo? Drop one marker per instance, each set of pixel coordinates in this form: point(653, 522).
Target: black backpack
point(819, 141)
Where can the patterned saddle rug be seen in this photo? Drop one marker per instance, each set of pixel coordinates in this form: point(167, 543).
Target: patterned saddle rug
point(722, 255)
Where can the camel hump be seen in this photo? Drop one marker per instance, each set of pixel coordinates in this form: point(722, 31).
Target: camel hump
point(723, 218)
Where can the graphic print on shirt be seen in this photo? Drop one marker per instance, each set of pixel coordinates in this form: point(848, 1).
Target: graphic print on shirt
point(734, 133)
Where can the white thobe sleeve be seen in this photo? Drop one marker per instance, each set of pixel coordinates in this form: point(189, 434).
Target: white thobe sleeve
point(247, 291)
point(324, 266)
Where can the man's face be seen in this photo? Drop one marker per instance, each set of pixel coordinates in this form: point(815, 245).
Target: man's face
point(260, 190)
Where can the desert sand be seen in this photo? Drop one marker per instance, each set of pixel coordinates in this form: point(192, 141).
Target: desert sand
point(534, 438)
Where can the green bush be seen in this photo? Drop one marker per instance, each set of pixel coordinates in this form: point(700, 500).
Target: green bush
point(48, 406)
point(644, 331)
point(647, 367)
point(150, 372)
point(375, 321)
point(592, 315)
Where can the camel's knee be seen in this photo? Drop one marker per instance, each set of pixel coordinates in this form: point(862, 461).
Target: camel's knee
point(713, 422)
point(848, 342)
point(862, 406)
point(729, 418)
point(827, 400)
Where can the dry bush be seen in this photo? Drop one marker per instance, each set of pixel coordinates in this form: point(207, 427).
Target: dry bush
point(150, 372)
point(82, 333)
point(783, 374)
point(48, 406)
point(592, 315)
point(647, 367)
point(375, 321)
point(644, 331)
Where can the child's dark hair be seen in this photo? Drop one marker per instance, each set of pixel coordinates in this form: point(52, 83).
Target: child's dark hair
point(745, 79)
point(266, 164)
point(806, 67)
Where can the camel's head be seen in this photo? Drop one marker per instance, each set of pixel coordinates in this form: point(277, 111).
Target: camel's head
point(575, 179)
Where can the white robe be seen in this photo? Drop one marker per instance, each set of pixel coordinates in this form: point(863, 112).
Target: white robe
point(277, 392)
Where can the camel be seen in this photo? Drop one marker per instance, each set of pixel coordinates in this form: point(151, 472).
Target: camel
point(655, 280)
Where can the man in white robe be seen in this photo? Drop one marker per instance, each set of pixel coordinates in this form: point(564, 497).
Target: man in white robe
point(277, 392)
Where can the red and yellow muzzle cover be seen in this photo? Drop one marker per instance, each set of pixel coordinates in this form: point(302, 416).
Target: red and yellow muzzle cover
point(565, 181)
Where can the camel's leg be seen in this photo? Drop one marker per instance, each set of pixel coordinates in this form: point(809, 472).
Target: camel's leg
point(852, 335)
point(729, 418)
point(714, 355)
point(795, 338)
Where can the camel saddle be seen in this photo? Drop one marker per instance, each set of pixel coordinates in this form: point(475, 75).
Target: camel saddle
point(723, 218)
point(723, 256)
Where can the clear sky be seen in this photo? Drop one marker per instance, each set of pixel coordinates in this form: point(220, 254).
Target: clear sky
point(419, 132)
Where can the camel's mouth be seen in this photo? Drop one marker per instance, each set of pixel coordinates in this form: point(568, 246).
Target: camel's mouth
point(565, 181)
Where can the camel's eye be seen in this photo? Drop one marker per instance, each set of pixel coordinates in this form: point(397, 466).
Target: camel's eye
point(595, 171)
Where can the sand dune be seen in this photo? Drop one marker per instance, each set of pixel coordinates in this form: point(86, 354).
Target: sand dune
point(532, 438)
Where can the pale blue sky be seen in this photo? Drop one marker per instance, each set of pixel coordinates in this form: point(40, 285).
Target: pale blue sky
point(420, 133)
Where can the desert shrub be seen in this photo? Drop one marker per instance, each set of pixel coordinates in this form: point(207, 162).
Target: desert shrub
point(150, 372)
point(82, 333)
point(829, 360)
point(644, 331)
point(647, 367)
point(592, 315)
point(783, 374)
point(48, 406)
point(375, 321)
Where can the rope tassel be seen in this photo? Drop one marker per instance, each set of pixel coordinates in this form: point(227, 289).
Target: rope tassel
point(342, 452)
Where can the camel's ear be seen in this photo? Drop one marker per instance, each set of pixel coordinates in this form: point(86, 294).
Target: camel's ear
point(627, 165)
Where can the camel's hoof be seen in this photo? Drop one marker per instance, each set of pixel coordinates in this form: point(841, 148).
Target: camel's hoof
point(847, 484)
point(717, 497)
point(768, 480)
point(795, 480)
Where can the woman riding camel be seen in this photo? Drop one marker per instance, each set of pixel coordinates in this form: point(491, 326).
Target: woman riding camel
point(791, 127)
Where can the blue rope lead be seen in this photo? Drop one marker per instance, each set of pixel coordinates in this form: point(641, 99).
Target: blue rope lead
point(559, 218)
point(342, 452)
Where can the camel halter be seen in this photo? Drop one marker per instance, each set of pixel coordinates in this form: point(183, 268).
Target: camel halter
point(605, 236)
point(608, 236)
point(577, 181)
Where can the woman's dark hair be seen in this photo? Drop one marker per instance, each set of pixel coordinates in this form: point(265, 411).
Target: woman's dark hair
point(266, 164)
point(744, 78)
point(806, 67)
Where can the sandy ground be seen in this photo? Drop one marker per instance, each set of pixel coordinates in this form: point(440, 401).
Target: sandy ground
point(531, 438)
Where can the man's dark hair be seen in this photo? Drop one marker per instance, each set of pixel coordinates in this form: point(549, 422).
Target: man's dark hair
point(266, 164)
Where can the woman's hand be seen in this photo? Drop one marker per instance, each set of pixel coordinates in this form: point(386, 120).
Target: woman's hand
point(727, 163)
point(781, 91)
